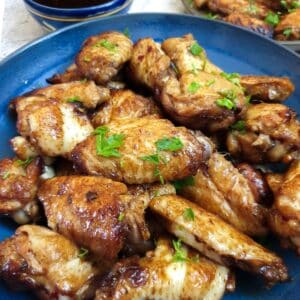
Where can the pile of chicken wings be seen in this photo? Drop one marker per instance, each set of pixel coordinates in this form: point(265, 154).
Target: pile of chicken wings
point(274, 18)
point(136, 176)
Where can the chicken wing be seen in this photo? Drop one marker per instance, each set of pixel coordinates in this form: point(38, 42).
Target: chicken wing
point(18, 188)
point(160, 276)
point(221, 189)
point(148, 150)
point(38, 259)
point(216, 239)
point(271, 133)
point(23, 148)
point(267, 88)
point(251, 8)
point(200, 3)
point(284, 218)
point(84, 92)
point(52, 127)
point(70, 74)
point(289, 27)
point(86, 210)
point(250, 22)
point(102, 56)
point(124, 104)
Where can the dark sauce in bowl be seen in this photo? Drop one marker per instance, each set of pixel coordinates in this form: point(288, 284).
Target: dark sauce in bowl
point(71, 3)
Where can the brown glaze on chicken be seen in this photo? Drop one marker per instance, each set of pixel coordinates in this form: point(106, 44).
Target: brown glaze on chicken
point(221, 189)
point(52, 127)
point(18, 188)
point(38, 259)
point(86, 210)
point(267, 88)
point(140, 136)
point(284, 218)
point(124, 104)
point(226, 7)
point(288, 28)
point(84, 92)
point(250, 22)
point(102, 56)
point(158, 276)
point(217, 240)
point(272, 134)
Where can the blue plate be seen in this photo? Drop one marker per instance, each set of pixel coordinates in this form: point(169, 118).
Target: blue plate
point(231, 48)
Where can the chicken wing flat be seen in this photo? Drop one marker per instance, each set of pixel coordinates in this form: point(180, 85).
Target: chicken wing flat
point(289, 27)
point(18, 188)
point(84, 92)
point(250, 22)
point(52, 127)
point(284, 218)
point(271, 133)
point(221, 189)
point(70, 74)
point(267, 88)
point(159, 275)
point(38, 259)
point(124, 104)
point(216, 239)
point(251, 8)
point(149, 150)
point(86, 210)
point(102, 56)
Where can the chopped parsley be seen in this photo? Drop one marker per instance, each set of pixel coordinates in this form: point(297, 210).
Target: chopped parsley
point(169, 144)
point(73, 99)
point(196, 49)
point(210, 82)
point(5, 175)
point(182, 183)
point(24, 163)
point(228, 100)
point(126, 32)
point(83, 252)
point(180, 253)
point(272, 19)
point(86, 59)
point(194, 87)
point(107, 45)
point(232, 77)
point(154, 158)
point(121, 217)
point(287, 32)
point(189, 214)
point(211, 16)
point(239, 126)
point(108, 146)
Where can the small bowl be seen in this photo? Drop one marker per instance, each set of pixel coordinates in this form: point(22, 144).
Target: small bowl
point(51, 18)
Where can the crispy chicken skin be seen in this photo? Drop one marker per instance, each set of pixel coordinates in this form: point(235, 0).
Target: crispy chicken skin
point(38, 259)
point(226, 7)
point(52, 127)
point(86, 209)
point(221, 189)
point(103, 55)
point(217, 240)
point(250, 22)
point(18, 189)
point(272, 134)
point(267, 88)
point(140, 136)
point(70, 74)
point(23, 148)
point(85, 92)
point(124, 104)
point(289, 27)
point(158, 276)
point(284, 218)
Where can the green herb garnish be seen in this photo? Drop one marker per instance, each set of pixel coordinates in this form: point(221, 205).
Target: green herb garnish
point(73, 99)
point(194, 87)
point(5, 175)
point(182, 183)
point(189, 214)
point(169, 144)
point(121, 217)
point(180, 253)
point(272, 19)
point(239, 126)
point(211, 16)
point(228, 100)
point(86, 59)
point(82, 253)
point(126, 32)
point(196, 49)
point(106, 44)
point(210, 83)
point(24, 163)
point(287, 32)
point(232, 77)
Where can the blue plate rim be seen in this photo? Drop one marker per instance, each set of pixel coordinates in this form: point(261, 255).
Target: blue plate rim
point(134, 15)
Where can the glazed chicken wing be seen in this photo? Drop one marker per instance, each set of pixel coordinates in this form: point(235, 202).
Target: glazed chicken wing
point(284, 218)
point(289, 27)
point(267, 88)
point(221, 189)
point(149, 150)
point(102, 56)
point(18, 188)
point(158, 276)
point(251, 8)
point(86, 210)
point(52, 127)
point(84, 92)
point(250, 22)
point(216, 239)
point(271, 134)
point(38, 259)
point(124, 104)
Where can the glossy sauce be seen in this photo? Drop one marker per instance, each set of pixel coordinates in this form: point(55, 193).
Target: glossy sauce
point(71, 3)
